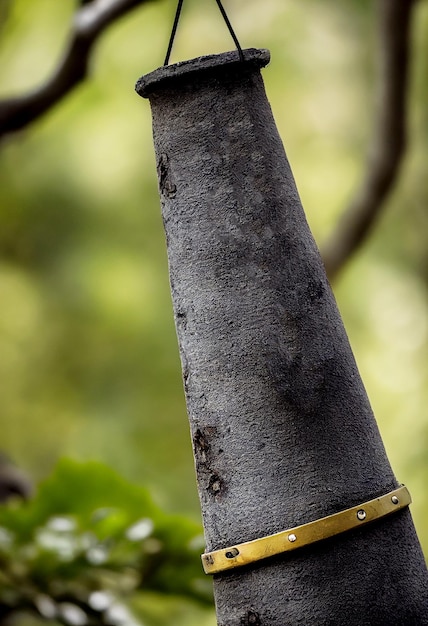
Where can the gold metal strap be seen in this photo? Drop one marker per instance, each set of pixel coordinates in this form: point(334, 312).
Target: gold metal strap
point(304, 535)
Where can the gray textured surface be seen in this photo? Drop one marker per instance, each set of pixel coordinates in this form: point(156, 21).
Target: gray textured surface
point(282, 429)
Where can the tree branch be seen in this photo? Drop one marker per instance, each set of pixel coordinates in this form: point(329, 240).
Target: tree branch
point(389, 135)
point(89, 23)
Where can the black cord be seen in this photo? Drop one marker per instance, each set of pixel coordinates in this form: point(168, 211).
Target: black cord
point(226, 19)
point(174, 30)
point(231, 31)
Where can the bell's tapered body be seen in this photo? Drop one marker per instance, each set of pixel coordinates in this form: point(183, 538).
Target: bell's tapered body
point(282, 429)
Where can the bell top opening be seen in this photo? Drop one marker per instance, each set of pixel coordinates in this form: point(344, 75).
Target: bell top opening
point(212, 64)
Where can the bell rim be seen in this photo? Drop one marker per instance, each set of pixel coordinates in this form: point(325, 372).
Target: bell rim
point(208, 64)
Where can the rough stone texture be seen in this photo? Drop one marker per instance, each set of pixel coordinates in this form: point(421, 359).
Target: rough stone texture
point(282, 428)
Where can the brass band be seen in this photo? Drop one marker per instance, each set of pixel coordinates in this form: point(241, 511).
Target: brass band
point(299, 536)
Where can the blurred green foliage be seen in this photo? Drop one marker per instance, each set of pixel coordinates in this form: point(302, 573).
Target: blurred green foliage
point(89, 546)
point(89, 365)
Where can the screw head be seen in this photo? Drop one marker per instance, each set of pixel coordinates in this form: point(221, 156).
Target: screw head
point(292, 538)
point(394, 500)
point(361, 514)
point(232, 553)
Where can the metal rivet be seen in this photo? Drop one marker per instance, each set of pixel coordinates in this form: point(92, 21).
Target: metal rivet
point(361, 515)
point(292, 538)
point(395, 500)
point(230, 554)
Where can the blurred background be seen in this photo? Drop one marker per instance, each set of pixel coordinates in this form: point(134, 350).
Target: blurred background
point(89, 365)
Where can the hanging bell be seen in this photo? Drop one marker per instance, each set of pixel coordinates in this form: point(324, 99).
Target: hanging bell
point(283, 433)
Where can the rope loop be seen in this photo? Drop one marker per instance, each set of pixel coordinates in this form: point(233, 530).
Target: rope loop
point(175, 25)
